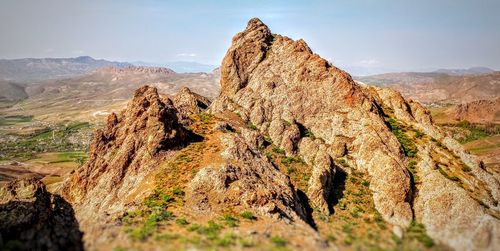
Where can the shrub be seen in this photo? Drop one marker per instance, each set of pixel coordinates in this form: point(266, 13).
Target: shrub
point(251, 126)
point(290, 160)
point(178, 191)
point(343, 162)
point(204, 117)
point(181, 222)
point(309, 133)
point(226, 241)
point(230, 220)
point(466, 168)
point(278, 241)
point(278, 150)
point(418, 134)
point(247, 215)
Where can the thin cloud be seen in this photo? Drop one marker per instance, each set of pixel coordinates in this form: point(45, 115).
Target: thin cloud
point(370, 62)
point(186, 55)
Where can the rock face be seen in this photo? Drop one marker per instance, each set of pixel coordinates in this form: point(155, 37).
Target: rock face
point(189, 103)
point(122, 155)
point(244, 179)
point(310, 108)
point(33, 219)
point(279, 85)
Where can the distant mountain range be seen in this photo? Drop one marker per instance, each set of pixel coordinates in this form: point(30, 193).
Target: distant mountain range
point(35, 69)
point(470, 71)
point(180, 66)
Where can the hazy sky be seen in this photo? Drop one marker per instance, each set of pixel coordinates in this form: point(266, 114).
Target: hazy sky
point(403, 35)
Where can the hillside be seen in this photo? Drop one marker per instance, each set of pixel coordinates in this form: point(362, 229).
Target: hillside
point(440, 88)
point(11, 92)
point(92, 96)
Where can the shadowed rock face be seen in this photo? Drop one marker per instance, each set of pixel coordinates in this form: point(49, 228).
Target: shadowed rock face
point(33, 219)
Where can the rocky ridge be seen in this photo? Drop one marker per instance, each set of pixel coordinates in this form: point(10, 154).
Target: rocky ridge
point(282, 111)
point(348, 121)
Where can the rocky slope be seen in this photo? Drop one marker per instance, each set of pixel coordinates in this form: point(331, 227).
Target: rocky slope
point(292, 153)
point(279, 86)
point(33, 219)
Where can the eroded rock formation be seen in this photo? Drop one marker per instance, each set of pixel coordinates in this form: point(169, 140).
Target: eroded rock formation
point(308, 107)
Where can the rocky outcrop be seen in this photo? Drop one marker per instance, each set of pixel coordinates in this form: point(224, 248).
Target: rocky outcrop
point(33, 219)
point(244, 179)
point(280, 86)
point(480, 111)
point(189, 103)
point(122, 154)
point(310, 108)
point(451, 215)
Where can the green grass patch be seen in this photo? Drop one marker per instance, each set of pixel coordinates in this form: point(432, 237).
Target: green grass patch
point(15, 119)
point(409, 147)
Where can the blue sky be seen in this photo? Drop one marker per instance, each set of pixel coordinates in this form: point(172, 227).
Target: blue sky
point(383, 34)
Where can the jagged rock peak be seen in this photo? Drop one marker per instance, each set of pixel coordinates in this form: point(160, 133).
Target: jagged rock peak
point(188, 103)
point(128, 142)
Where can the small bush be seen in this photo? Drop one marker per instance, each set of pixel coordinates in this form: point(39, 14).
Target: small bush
point(466, 168)
point(178, 191)
point(230, 220)
point(204, 117)
point(247, 215)
point(418, 134)
point(278, 241)
point(343, 162)
point(290, 160)
point(309, 133)
point(251, 126)
point(452, 178)
point(417, 231)
point(278, 150)
point(181, 222)
point(227, 240)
